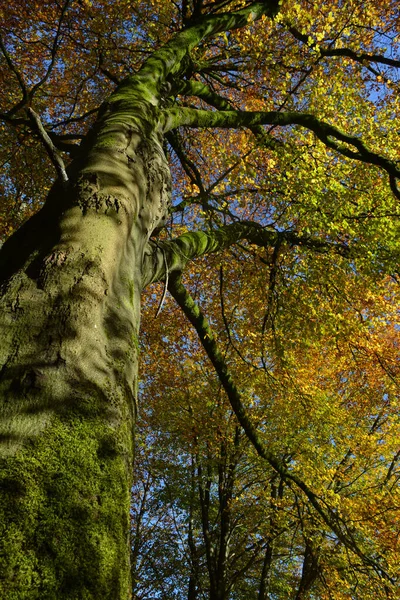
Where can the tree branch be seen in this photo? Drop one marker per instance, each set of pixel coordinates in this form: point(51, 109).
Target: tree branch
point(51, 150)
point(204, 92)
point(361, 57)
point(168, 59)
point(20, 80)
point(175, 254)
point(188, 165)
point(53, 52)
point(328, 134)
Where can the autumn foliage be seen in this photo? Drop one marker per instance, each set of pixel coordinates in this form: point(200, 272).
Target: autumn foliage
point(306, 322)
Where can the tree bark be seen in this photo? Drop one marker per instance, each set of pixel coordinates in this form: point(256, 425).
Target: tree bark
point(70, 283)
point(71, 280)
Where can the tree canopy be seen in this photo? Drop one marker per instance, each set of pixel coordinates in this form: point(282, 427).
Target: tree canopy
point(267, 460)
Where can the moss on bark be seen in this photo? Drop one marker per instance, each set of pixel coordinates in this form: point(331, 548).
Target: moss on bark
point(69, 316)
point(64, 514)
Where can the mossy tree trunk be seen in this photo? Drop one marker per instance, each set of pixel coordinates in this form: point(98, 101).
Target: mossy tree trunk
point(71, 280)
point(71, 283)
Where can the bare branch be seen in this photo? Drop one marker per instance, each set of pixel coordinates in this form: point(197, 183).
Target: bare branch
point(362, 57)
point(20, 80)
point(53, 52)
point(52, 151)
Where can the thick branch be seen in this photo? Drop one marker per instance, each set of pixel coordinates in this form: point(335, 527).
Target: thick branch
point(168, 59)
point(202, 91)
point(175, 254)
point(328, 134)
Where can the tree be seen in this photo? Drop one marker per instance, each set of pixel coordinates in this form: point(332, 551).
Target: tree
point(190, 448)
point(322, 420)
point(275, 123)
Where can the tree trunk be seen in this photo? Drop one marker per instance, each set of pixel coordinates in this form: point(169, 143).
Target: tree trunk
point(71, 281)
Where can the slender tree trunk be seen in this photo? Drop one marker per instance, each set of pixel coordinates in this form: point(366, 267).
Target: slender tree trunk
point(71, 281)
point(193, 586)
point(265, 578)
point(309, 572)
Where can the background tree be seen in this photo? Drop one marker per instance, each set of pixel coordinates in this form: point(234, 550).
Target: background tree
point(322, 420)
point(249, 148)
